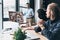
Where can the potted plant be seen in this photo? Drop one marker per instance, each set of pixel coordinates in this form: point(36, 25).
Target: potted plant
point(19, 35)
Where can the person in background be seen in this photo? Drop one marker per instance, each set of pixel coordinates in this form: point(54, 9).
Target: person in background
point(28, 14)
point(42, 16)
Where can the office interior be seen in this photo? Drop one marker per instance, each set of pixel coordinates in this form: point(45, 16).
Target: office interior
point(7, 6)
point(16, 5)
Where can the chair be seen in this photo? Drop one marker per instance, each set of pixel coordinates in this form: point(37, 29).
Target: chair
point(12, 16)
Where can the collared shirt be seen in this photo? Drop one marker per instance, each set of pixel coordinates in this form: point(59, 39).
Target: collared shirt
point(28, 13)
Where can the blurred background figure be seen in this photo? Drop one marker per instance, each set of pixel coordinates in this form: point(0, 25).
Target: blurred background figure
point(42, 20)
point(42, 16)
point(28, 14)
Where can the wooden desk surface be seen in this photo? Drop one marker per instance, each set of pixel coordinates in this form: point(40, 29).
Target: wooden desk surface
point(37, 34)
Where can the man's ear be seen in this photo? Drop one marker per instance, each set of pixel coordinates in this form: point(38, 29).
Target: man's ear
point(52, 13)
point(52, 16)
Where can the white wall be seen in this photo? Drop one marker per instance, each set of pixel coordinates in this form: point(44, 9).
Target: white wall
point(0, 16)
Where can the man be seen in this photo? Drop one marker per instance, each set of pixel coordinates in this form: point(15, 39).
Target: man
point(52, 26)
point(28, 14)
point(42, 16)
point(42, 19)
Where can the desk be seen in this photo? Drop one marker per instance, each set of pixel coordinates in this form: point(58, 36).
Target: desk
point(10, 24)
point(7, 36)
point(37, 34)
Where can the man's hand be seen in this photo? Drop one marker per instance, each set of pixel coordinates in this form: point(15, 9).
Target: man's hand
point(40, 24)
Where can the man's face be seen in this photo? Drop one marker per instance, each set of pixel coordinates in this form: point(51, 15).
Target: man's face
point(28, 5)
point(48, 13)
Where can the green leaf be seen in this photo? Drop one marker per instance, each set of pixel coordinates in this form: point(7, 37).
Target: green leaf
point(19, 35)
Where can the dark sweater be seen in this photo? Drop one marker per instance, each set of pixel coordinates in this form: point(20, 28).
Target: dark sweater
point(52, 30)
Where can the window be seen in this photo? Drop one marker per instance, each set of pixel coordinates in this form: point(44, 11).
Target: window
point(8, 5)
point(22, 4)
